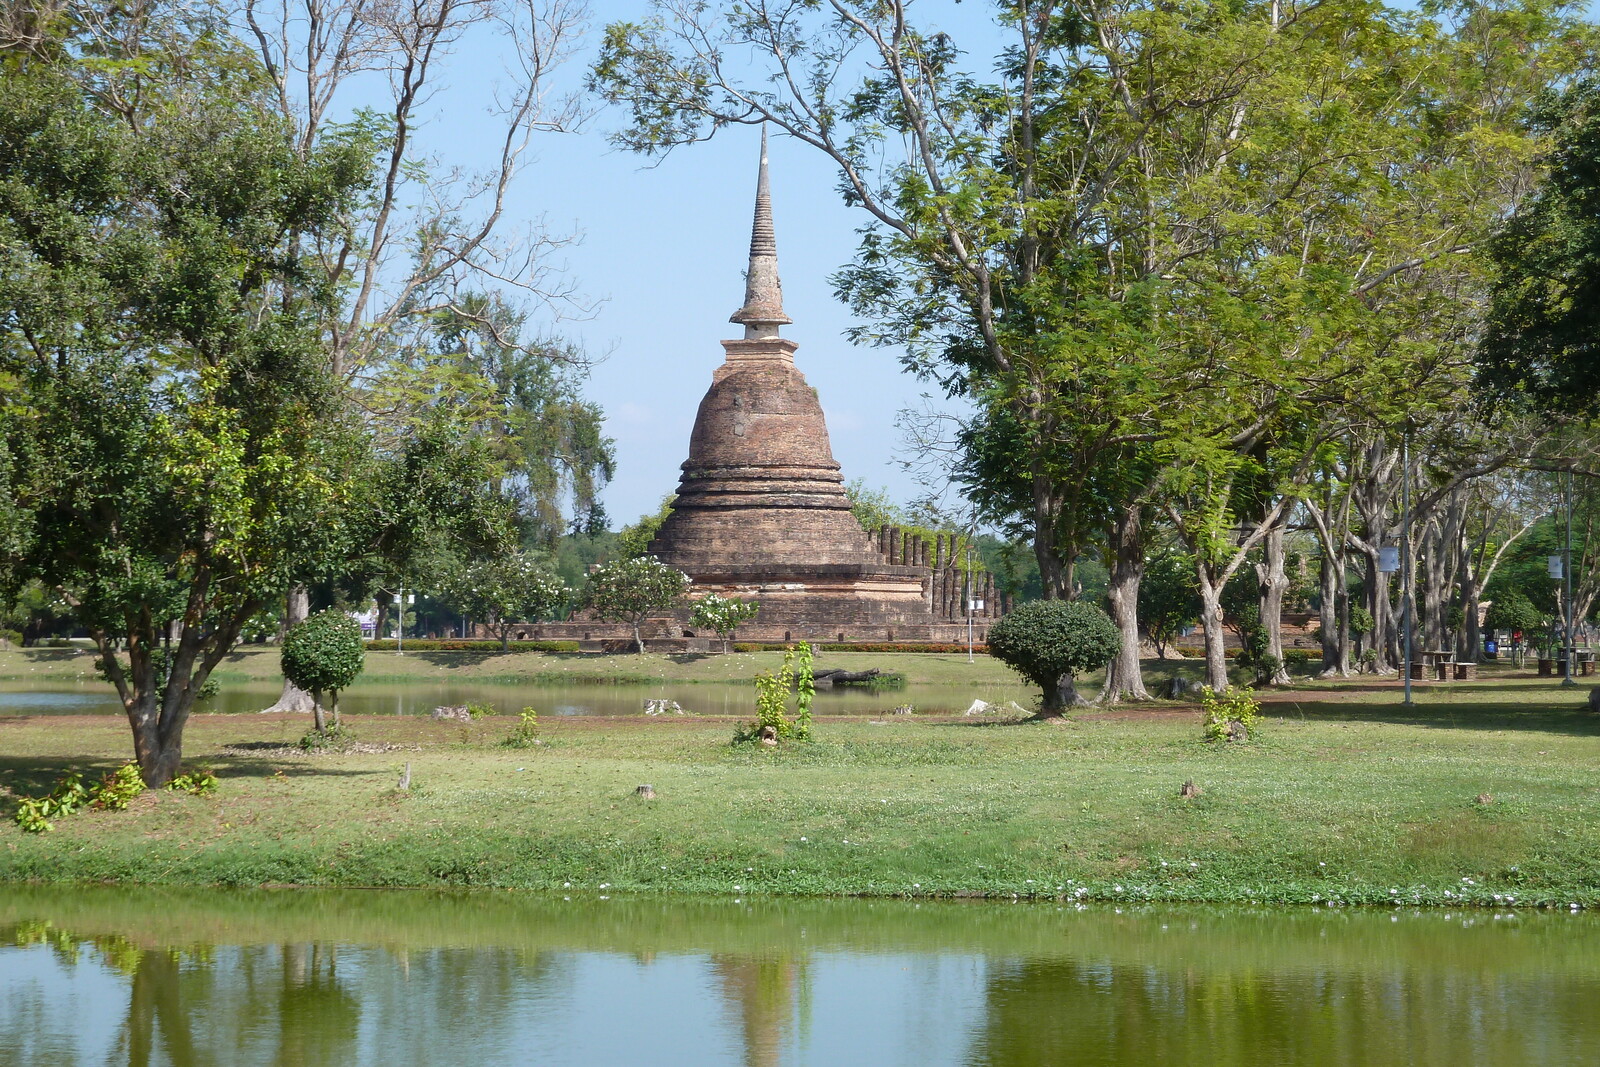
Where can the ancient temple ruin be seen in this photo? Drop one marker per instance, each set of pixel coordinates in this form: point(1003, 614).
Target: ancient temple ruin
point(761, 512)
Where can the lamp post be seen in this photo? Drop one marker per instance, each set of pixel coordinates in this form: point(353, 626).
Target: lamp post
point(1566, 569)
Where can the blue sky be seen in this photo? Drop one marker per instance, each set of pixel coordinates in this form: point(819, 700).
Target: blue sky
point(664, 245)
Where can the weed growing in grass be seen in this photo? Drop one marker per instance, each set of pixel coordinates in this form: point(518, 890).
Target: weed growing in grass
point(197, 782)
point(773, 722)
point(526, 733)
point(1223, 710)
point(336, 738)
point(478, 710)
point(112, 793)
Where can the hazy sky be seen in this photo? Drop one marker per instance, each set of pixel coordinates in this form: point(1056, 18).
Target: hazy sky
point(664, 247)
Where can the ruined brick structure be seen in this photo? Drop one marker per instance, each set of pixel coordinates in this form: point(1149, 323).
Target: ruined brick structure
point(761, 511)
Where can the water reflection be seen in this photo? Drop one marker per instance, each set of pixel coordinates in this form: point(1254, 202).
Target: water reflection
point(147, 977)
point(420, 698)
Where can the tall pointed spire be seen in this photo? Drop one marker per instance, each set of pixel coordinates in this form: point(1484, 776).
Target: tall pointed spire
point(762, 313)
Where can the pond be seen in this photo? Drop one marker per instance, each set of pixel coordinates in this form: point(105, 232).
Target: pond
point(151, 976)
point(420, 698)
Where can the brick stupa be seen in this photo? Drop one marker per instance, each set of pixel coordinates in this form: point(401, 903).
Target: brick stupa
point(761, 511)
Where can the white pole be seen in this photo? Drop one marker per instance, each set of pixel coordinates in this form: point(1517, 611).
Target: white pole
point(400, 624)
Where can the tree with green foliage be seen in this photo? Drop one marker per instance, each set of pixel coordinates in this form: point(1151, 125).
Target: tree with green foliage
point(177, 457)
point(324, 654)
point(1541, 344)
point(1168, 602)
point(723, 614)
point(628, 590)
point(503, 591)
point(1050, 642)
point(634, 541)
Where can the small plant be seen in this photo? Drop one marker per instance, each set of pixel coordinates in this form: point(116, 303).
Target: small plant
point(335, 737)
point(1267, 667)
point(1232, 715)
point(1369, 661)
point(197, 782)
point(1297, 659)
point(773, 721)
point(116, 790)
point(805, 691)
point(478, 710)
point(526, 733)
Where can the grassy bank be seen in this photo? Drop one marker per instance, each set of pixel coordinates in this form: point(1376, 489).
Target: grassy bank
point(1347, 797)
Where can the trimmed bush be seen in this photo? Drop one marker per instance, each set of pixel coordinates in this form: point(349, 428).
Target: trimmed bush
point(324, 653)
point(1050, 641)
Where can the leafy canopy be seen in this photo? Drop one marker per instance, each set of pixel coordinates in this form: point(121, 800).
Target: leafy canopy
point(325, 653)
point(1047, 640)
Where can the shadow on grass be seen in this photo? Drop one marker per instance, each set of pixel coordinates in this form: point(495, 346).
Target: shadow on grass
point(37, 777)
point(1574, 718)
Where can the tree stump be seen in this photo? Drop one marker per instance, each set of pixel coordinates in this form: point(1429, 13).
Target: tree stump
point(645, 792)
point(769, 735)
point(1594, 699)
point(1189, 790)
point(1237, 731)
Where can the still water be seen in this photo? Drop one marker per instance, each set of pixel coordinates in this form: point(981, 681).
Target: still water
point(114, 976)
point(391, 698)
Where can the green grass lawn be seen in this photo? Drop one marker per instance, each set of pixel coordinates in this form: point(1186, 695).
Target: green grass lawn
point(1346, 796)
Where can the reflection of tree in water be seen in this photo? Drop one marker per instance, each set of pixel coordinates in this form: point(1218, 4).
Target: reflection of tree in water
point(766, 992)
point(317, 1016)
point(173, 993)
point(1073, 1012)
point(436, 1002)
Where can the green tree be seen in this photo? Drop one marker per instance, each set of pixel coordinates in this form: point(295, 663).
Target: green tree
point(873, 508)
point(634, 541)
point(628, 590)
point(1049, 642)
point(1540, 342)
point(722, 614)
point(176, 453)
point(504, 591)
point(1168, 602)
point(324, 654)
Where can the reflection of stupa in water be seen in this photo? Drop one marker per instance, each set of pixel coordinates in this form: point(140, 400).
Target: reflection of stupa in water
point(761, 511)
point(768, 996)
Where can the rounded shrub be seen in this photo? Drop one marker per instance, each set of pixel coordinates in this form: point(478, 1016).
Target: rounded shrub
point(324, 653)
point(1047, 641)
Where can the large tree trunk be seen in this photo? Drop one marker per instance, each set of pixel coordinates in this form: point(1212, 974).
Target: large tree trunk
point(1211, 627)
point(296, 608)
point(158, 752)
point(1273, 581)
point(1124, 678)
point(319, 717)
